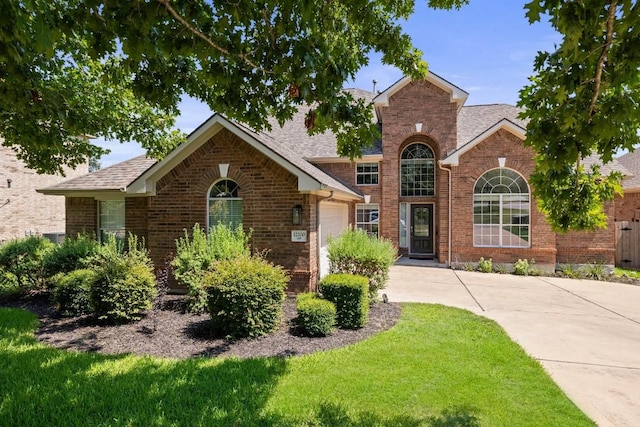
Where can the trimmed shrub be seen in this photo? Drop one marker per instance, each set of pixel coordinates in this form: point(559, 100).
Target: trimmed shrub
point(125, 285)
point(316, 316)
point(196, 255)
point(350, 295)
point(22, 261)
point(485, 265)
point(246, 296)
point(356, 252)
point(71, 293)
point(72, 254)
point(521, 267)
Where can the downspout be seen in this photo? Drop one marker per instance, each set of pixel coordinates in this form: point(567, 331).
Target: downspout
point(318, 231)
point(449, 213)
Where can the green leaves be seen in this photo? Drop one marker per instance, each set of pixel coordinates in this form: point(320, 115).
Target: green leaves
point(582, 101)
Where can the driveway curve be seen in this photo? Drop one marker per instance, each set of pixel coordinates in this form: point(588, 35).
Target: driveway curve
point(585, 333)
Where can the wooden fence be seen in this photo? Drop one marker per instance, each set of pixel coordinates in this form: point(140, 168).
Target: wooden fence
point(628, 244)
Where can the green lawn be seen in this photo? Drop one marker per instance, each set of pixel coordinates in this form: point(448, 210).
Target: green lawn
point(438, 367)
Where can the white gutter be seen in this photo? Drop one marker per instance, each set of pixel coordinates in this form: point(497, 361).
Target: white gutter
point(449, 214)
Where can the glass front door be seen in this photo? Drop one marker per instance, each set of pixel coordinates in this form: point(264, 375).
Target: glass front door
point(421, 229)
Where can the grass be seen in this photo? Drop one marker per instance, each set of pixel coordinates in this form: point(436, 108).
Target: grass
point(623, 272)
point(438, 367)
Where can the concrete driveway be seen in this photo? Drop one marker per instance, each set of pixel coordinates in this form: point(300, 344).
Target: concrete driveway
point(585, 333)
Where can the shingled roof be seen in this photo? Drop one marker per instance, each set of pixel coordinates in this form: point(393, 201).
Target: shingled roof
point(631, 161)
point(113, 178)
point(294, 134)
point(475, 119)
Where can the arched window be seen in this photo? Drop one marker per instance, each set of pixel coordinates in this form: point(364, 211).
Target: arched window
point(417, 171)
point(501, 210)
point(225, 207)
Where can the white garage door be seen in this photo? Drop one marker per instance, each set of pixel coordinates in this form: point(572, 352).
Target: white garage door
point(334, 219)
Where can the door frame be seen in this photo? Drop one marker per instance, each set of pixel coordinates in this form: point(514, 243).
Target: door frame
point(431, 229)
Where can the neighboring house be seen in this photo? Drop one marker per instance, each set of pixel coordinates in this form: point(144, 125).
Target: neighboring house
point(446, 181)
point(628, 206)
point(22, 209)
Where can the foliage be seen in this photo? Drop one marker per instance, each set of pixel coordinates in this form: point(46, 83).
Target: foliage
point(22, 261)
point(596, 271)
point(350, 295)
point(71, 292)
point(466, 360)
point(623, 272)
point(246, 295)
point(500, 268)
point(582, 100)
point(570, 271)
point(125, 285)
point(485, 265)
point(72, 254)
point(521, 267)
point(316, 316)
point(357, 252)
point(197, 255)
point(119, 69)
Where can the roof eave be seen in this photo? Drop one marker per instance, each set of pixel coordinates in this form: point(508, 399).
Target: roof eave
point(453, 159)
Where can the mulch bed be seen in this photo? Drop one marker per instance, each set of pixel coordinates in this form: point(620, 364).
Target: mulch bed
point(172, 333)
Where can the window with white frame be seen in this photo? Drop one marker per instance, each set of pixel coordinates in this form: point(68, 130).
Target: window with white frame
point(111, 216)
point(367, 218)
point(417, 171)
point(367, 174)
point(403, 220)
point(501, 210)
point(224, 204)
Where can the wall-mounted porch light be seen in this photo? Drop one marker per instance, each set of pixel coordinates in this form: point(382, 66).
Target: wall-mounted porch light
point(296, 215)
point(9, 183)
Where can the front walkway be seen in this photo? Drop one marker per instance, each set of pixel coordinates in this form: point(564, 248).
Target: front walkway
point(585, 333)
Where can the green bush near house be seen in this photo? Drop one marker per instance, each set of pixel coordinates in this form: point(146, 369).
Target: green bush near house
point(197, 254)
point(245, 296)
point(350, 295)
point(485, 265)
point(124, 286)
point(72, 254)
point(22, 262)
point(356, 252)
point(316, 316)
point(72, 292)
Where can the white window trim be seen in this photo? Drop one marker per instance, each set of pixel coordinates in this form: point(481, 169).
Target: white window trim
point(377, 173)
point(372, 207)
point(230, 199)
point(433, 161)
point(101, 229)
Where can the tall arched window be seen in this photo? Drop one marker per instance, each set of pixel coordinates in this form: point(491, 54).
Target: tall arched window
point(501, 210)
point(225, 207)
point(417, 171)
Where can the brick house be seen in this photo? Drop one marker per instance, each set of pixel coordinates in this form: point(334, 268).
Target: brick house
point(446, 182)
point(23, 210)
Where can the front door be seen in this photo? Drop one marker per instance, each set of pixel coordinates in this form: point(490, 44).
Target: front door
point(422, 229)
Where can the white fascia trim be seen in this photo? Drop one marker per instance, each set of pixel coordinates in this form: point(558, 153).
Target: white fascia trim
point(146, 182)
point(458, 95)
point(368, 158)
point(454, 158)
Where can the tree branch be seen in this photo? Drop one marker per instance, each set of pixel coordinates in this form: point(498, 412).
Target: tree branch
point(205, 38)
point(603, 57)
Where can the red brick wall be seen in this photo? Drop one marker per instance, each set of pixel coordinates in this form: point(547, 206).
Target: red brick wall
point(475, 163)
point(626, 206)
point(268, 191)
point(81, 215)
point(588, 247)
point(418, 102)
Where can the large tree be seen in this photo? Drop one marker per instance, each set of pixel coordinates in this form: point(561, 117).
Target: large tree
point(117, 69)
point(583, 99)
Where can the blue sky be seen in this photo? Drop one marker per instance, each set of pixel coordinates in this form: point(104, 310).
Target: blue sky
point(486, 48)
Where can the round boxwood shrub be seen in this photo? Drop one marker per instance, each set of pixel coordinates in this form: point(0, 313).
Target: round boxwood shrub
point(316, 316)
point(71, 293)
point(245, 296)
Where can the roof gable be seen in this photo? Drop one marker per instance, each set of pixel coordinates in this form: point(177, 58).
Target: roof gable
point(310, 178)
point(457, 95)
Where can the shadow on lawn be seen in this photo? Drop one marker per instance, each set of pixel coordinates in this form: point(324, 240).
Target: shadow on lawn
point(47, 386)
